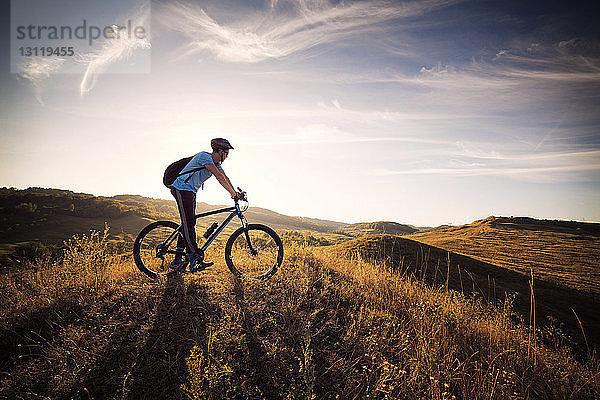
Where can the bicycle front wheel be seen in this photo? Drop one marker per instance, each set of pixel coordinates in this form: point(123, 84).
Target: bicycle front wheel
point(155, 247)
point(255, 252)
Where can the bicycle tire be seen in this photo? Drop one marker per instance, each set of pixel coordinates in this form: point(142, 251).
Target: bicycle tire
point(268, 257)
point(146, 248)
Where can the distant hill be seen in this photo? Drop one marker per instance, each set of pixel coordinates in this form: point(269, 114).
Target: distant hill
point(373, 228)
point(564, 252)
point(53, 215)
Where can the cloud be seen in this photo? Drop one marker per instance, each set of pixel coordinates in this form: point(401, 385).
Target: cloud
point(38, 69)
point(593, 155)
point(321, 133)
point(473, 151)
point(558, 66)
point(472, 160)
point(538, 172)
point(117, 49)
point(287, 27)
point(512, 153)
point(536, 95)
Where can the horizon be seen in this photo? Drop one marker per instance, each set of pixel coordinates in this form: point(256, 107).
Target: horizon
point(423, 113)
point(317, 218)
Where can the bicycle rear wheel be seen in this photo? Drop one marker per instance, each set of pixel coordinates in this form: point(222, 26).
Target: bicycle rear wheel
point(257, 254)
point(155, 247)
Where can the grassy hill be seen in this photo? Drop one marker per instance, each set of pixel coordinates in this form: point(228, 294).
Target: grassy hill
point(91, 326)
point(440, 314)
point(566, 253)
point(369, 317)
point(373, 228)
point(576, 310)
point(51, 216)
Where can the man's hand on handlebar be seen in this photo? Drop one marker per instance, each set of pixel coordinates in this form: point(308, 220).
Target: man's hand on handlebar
point(240, 195)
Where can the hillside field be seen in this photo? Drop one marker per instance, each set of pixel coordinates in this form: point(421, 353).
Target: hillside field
point(325, 326)
point(370, 310)
point(566, 253)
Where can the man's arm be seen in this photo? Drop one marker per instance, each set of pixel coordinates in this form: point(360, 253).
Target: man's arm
point(222, 178)
point(226, 177)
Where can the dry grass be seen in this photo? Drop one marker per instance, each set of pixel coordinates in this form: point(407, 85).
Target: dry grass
point(466, 348)
point(322, 327)
point(87, 269)
point(563, 315)
point(565, 253)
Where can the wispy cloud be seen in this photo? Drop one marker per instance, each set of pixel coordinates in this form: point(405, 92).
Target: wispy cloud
point(470, 151)
point(554, 65)
point(319, 134)
point(494, 171)
point(571, 62)
point(38, 69)
point(279, 32)
point(473, 151)
point(565, 166)
point(117, 49)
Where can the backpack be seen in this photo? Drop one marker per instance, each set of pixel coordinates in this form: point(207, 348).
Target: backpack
point(174, 171)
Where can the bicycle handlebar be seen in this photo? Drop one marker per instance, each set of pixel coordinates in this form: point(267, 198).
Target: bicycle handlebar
point(241, 196)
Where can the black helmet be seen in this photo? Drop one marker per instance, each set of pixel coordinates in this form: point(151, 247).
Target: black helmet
point(220, 144)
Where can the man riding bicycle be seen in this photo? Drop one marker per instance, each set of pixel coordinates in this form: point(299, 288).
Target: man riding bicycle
point(202, 166)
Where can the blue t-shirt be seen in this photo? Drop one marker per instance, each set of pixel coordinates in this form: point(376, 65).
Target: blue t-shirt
point(197, 178)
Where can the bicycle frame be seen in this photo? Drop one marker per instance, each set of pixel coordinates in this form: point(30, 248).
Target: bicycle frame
point(235, 210)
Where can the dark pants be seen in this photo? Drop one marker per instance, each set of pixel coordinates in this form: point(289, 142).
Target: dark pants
point(186, 203)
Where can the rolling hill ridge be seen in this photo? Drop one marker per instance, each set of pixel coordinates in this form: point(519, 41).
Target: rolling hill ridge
point(472, 276)
point(53, 215)
point(566, 253)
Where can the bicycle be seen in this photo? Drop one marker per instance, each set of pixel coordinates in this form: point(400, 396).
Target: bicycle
point(253, 250)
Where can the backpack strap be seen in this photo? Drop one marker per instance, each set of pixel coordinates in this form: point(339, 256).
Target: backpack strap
point(190, 171)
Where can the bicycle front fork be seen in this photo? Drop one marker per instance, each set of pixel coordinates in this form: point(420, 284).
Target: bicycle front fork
point(245, 226)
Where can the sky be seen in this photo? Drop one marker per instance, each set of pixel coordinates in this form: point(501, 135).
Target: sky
point(419, 112)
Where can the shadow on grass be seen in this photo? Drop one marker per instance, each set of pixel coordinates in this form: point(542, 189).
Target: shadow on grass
point(152, 364)
point(22, 337)
point(181, 323)
point(257, 366)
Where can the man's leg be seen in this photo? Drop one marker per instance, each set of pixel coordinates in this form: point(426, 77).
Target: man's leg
point(186, 203)
point(180, 240)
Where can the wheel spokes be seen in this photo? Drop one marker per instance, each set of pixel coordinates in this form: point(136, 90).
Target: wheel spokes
point(257, 257)
point(158, 248)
